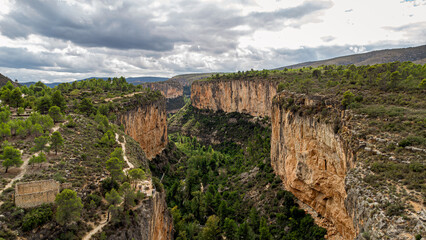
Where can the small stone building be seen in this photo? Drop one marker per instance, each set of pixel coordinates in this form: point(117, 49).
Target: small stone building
point(32, 194)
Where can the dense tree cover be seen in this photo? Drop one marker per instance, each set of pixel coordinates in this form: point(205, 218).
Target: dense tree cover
point(207, 200)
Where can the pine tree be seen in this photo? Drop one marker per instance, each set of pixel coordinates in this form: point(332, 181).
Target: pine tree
point(41, 158)
point(55, 113)
point(115, 168)
point(56, 141)
point(69, 207)
point(11, 157)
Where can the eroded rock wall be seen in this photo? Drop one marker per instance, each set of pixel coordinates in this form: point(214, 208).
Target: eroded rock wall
point(147, 124)
point(311, 158)
point(253, 96)
point(170, 89)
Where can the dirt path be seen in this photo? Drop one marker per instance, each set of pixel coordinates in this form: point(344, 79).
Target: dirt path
point(24, 166)
point(104, 216)
point(20, 175)
point(97, 228)
point(128, 95)
point(123, 146)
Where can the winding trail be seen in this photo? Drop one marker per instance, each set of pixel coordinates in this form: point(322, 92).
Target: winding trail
point(104, 220)
point(123, 146)
point(24, 166)
point(20, 175)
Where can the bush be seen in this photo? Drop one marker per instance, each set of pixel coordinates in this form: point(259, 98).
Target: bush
point(394, 209)
point(348, 98)
point(95, 198)
point(412, 140)
point(108, 184)
point(37, 217)
point(157, 184)
point(280, 87)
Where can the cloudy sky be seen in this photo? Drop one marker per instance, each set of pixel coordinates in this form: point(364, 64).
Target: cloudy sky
point(64, 40)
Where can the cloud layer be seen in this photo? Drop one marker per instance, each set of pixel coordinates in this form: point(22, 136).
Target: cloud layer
point(64, 40)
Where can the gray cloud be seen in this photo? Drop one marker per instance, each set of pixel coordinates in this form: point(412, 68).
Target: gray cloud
point(412, 31)
point(22, 58)
point(327, 38)
point(134, 24)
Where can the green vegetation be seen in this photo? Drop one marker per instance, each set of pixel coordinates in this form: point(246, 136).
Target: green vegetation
point(56, 141)
point(223, 206)
point(37, 217)
point(228, 189)
point(41, 158)
point(82, 146)
point(69, 207)
point(11, 157)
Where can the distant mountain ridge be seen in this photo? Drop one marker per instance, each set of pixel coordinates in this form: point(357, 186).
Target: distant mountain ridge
point(413, 54)
point(132, 80)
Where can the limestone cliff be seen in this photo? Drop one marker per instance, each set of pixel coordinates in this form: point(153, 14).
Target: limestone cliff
point(152, 222)
point(314, 149)
point(311, 158)
point(170, 89)
point(253, 97)
point(146, 123)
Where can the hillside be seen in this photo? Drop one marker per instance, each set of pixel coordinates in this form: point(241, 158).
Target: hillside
point(4, 80)
point(413, 54)
point(50, 158)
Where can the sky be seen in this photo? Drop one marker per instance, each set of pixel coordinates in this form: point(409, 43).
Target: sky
point(65, 40)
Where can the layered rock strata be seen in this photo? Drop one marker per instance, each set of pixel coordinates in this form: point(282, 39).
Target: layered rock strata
point(170, 89)
point(253, 97)
point(311, 158)
point(147, 124)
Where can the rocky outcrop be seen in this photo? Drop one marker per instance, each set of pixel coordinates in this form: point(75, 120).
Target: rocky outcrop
point(170, 89)
point(152, 221)
point(311, 158)
point(186, 80)
point(253, 97)
point(147, 124)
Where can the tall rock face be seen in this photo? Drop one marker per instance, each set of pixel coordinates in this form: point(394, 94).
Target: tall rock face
point(311, 158)
point(147, 124)
point(170, 89)
point(153, 221)
point(253, 97)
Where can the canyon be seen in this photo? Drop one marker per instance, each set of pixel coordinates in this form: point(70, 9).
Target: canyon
point(314, 150)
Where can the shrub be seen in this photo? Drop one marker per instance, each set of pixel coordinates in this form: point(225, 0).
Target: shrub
point(280, 87)
point(412, 140)
point(348, 98)
point(37, 217)
point(157, 184)
point(394, 209)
